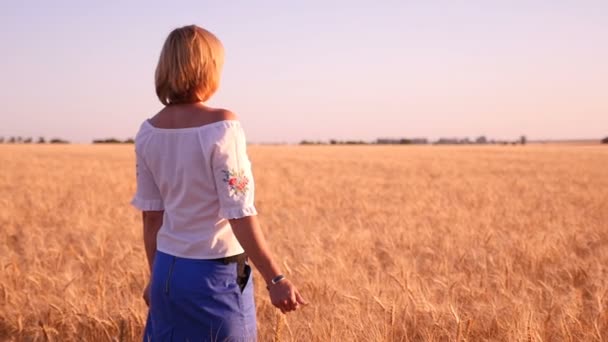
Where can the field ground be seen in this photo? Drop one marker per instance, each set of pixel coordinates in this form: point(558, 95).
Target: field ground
point(419, 243)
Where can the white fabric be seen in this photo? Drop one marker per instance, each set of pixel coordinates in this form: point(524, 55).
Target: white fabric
point(200, 177)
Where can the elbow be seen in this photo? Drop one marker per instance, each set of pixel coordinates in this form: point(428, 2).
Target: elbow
point(152, 220)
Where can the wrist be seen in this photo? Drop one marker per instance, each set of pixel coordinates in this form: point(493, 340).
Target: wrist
point(271, 272)
point(279, 278)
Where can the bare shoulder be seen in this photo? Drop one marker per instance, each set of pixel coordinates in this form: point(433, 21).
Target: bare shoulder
point(186, 116)
point(225, 114)
point(208, 115)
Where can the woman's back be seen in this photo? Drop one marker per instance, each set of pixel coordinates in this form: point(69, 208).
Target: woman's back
point(192, 163)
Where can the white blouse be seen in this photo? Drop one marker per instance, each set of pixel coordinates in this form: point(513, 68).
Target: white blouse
point(200, 177)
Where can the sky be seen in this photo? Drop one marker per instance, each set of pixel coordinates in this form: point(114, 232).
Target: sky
point(318, 70)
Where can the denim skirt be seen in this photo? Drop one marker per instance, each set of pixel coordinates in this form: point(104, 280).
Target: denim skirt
point(199, 300)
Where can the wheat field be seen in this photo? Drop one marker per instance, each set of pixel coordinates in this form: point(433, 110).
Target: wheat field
point(388, 243)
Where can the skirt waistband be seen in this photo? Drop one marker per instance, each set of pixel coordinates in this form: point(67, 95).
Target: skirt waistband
point(239, 259)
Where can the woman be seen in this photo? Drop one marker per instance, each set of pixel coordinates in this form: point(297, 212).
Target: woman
point(196, 190)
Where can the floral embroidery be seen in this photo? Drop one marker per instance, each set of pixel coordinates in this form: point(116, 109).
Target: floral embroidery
point(237, 181)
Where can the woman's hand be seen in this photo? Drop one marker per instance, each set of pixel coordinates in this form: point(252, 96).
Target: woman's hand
point(285, 296)
point(146, 295)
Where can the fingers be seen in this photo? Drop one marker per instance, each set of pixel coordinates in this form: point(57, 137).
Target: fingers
point(284, 305)
point(146, 295)
point(293, 303)
point(294, 300)
point(300, 299)
point(146, 299)
point(281, 305)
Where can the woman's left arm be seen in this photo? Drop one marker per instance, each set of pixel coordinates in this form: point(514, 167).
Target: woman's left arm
point(152, 221)
point(149, 200)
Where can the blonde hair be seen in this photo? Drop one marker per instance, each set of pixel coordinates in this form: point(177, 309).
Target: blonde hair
point(189, 66)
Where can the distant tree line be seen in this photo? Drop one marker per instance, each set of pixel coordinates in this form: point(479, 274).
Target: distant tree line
point(43, 140)
point(113, 141)
point(481, 140)
point(30, 140)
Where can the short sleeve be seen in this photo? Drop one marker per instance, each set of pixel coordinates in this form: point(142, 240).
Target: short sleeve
point(147, 196)
point(232, 173)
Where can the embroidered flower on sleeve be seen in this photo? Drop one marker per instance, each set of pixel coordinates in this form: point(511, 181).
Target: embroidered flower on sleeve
point(237, 181)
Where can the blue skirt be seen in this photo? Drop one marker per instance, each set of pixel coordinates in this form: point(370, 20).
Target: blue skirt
point(199, 300)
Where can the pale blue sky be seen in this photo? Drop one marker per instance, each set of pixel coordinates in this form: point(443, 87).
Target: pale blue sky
point(316, 69)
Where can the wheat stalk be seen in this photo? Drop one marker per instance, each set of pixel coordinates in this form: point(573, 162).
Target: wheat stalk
point(278, 327)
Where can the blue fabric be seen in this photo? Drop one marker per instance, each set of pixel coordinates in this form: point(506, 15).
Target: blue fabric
point(199, 300)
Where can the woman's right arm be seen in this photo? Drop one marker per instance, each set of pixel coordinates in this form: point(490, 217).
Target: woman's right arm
point(284, 295)
point(235, 188)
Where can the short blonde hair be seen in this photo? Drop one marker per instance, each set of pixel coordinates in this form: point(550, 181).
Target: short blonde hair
point(189, 66)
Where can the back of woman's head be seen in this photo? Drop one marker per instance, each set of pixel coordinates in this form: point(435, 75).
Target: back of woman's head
point(189, 66)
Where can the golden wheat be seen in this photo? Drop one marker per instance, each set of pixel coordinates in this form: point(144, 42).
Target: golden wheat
point(497, 243)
